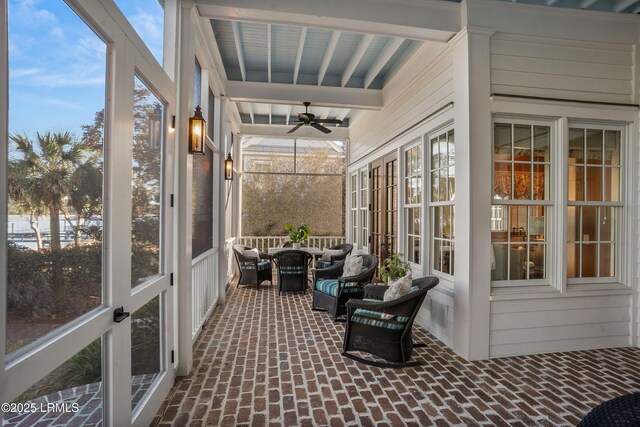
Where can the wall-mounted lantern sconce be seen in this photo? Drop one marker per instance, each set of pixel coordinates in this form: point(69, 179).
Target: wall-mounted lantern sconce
point(196, 132)
point(228, 168)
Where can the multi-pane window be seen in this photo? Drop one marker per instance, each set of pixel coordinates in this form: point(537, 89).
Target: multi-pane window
point(443, 180)
point(413, 202)
point(594, 204)
point(364, 211)
point(521, 184)
point(354, 206)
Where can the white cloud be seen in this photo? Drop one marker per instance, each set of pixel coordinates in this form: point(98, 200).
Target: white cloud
point(57, 32)
point(28, 13)
point(16, 73)
point(150, 27)
point(60, 103)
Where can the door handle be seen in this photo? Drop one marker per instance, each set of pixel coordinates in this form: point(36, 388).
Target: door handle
point(119, 314)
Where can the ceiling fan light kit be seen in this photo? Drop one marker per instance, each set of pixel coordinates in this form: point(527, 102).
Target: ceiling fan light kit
point(309, 119)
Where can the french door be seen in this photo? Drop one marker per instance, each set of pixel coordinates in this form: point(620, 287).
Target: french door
point(384, 206)
point(86, 306)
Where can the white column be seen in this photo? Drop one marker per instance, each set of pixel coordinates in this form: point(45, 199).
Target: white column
point(4, 147)
point(472, 282)
point(184, 163)
point(223, 263)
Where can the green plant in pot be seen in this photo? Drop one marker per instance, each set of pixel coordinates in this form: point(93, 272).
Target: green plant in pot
point(394, 268)
point(296, 236)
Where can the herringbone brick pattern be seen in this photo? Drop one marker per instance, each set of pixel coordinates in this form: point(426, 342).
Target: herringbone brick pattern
point(265, 359)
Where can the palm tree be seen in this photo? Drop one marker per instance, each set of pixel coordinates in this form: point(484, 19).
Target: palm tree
point(47, 170)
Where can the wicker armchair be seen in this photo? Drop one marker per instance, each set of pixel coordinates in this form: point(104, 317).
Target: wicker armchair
point(292, 270)
point(346, 249)
point(388, 338)
point(253, 271)
point(332, 291)
point(622, 411)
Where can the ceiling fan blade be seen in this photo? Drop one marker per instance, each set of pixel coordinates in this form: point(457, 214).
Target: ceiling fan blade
point(295, 128)
point(330, 121)
point(321, 128)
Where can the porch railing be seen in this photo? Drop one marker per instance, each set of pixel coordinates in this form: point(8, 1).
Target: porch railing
point(263, 243)
point(204, 288)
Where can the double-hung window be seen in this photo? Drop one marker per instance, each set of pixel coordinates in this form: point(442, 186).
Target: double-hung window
point(364, 210)
point(594, 203)
point(413, 203)
point(354, 207)
point(589, 205)
point(521, 201)
point(443, 180)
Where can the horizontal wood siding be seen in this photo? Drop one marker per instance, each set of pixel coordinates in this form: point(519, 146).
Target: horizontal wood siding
point(559, 324)
point(538, 66)
point(429, 91)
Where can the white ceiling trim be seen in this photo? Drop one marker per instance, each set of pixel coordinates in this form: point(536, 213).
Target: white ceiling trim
point(296, 67)
point(365, 41)
point(282, 93)
point(331, 48)
point(421, 20)
point(341, 133)
point(392, 47)
point(236, 38)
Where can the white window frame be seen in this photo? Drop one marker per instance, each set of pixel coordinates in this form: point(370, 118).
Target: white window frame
point(353, 207)
point(549, 204)
point(431, 205)
point(620, 206)
point(363, 210)
point(419, 205)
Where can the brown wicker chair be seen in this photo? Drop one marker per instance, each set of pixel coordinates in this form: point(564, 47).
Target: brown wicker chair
point(346, 249)
point(293, 270)
point(253, 271)
point(389, 339)
point(332, 291)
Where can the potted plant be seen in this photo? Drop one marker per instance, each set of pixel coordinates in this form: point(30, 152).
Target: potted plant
point(394, 268)
point(297, 235)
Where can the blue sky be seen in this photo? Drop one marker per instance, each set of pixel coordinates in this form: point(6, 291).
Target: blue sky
point(57, 63)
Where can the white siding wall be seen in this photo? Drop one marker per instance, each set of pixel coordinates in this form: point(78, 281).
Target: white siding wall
point(575, 70)
point(555, 68)
point(411, 101)
point(559, 324)
point(422, 87)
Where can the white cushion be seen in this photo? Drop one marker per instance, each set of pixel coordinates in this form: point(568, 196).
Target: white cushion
point(397, 288)
point(253, 253)
point(327, 253)
point(352, 266)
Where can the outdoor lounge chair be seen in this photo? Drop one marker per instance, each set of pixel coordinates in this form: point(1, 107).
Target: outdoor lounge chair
point(388, 338)
point(292, 270)
point(346, 249)
point(332, 291)
point(253, 271)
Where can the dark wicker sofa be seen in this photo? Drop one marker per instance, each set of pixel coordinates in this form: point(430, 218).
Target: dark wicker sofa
point(253, 271)
point(390, 339)
point(332, 290)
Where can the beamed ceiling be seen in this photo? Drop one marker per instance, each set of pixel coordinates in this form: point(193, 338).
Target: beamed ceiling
point(337, 54)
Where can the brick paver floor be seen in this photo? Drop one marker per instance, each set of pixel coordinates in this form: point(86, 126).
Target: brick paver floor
point(265, 359)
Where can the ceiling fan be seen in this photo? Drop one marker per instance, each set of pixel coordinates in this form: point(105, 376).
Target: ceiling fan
point(308, 119)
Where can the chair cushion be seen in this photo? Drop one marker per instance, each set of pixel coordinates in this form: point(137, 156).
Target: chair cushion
point(294, 269)
point(387, 324)
point(262, 265)
point(352, 266)
point(323, 264)
point(330, 287)
point(253, 253)
point(327, 253)
point(376, 315)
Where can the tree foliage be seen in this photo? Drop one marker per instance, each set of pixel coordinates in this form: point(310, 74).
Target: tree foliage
point(269, 201)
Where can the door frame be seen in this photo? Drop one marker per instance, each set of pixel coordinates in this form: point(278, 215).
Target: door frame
point(379, 230)
point(126, 56)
